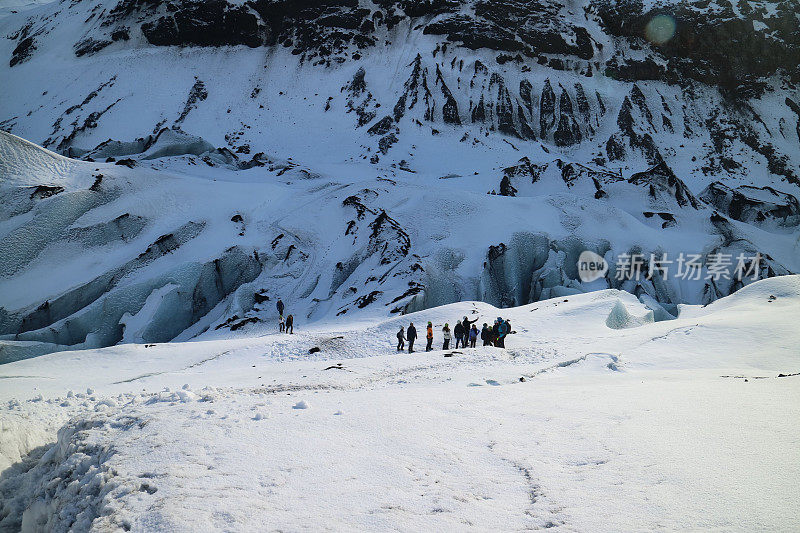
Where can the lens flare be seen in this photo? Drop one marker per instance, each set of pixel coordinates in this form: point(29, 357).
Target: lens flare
point(660, 29)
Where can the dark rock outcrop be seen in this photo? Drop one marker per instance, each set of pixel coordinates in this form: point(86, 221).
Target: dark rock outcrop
point(663, 186)
point(753, 204)
point(206, 23)
point(568, 132)
point(711, 44)
point(23, 51)
point(547, 109)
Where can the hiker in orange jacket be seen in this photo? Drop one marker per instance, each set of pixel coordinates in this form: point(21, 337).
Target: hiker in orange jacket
point(429, 346)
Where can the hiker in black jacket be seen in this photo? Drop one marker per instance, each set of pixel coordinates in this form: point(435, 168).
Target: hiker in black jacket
point(280, 306)
point(467, 324)
point(411, 336)
point(401, 339)
point(290, 324)
point(486, 335)
point(458, 331)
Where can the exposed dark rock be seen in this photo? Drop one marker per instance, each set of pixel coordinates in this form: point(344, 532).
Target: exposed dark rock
point(422, 8)
point(568, 132)
point(89, 46)
point(415, 90)
point(197, 94)
point(638, 98)
point(359, 99)
point(525, 92)
point(206, 23)
point(450, 108)
point(627, 69)
point(523, 169)
point(479, 111)
point(547, 109)
point(363, 301)
point(382, 127)
point(539, 24)
point(23, 51)
point(98, 181)
point(632, 127)
point(525, 130)
point(506, 189)
point(753, 204)
point(504, 109)
point(474, 34)
point(662, 184)
point(46, 191)
point(386, 142)
point(121, 34)
point(796, 108)
point(130, 163)
point(614, 149)
point(89, 122)
point(584, 108)
point(388, 239)
point(235, 325)
point(715, 46)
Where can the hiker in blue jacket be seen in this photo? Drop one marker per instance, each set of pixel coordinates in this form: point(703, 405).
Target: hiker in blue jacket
point(473, 336)
point(502, 331)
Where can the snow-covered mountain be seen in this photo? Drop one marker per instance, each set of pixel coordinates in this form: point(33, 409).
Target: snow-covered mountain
point(194, 161)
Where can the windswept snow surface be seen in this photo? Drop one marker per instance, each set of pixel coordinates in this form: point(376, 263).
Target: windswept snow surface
point(575, 426)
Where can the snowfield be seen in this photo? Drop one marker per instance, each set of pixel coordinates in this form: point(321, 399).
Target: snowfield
point(576, 426)
point(170, 169)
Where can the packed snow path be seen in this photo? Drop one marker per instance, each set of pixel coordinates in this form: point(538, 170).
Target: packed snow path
point(674, 425)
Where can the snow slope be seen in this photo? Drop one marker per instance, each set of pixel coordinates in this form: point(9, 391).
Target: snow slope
point(675, 425)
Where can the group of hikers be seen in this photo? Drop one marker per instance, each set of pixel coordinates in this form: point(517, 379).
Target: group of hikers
point(465, 332)
point(286, 325)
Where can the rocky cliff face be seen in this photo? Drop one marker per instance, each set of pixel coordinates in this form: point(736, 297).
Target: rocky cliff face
point(635, 126)
point(684, 69)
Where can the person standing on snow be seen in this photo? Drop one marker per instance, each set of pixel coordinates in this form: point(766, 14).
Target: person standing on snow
point(473, 336)
point(282, 324)
point(401, 339)
point(429, 335)
point(411, 336)
point(495, 332)
point(466, 324)
point(486, 335)
point(502, 331)
point(446, 336)
point(290, 324)
point(279, 305)
point(459, 331)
